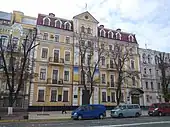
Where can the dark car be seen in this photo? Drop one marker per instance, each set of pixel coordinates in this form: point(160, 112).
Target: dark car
point(89, 112)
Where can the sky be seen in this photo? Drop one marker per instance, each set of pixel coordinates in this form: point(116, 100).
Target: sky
point(149, 20)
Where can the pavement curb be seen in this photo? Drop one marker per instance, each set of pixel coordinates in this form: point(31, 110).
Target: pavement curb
point(38, 120)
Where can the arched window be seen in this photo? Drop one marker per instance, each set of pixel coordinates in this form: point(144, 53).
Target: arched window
point(110, 34)
point(82, 29)
point(149, 59)
point(144, 58)
point(118, 36)
point(131, 39)
point(88, 30)
point(67, 26)
point(102, 33)
point(58, 23)
point(46, 21)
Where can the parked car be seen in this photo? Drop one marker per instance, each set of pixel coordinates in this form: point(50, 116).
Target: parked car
point(126, 110)
point(89, 111)
point(159, 109)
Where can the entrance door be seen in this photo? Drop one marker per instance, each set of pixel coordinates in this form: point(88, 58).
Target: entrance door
point(84, 98)
point(135, 99)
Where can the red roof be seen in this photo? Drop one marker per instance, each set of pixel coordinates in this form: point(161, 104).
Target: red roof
point(124, 36)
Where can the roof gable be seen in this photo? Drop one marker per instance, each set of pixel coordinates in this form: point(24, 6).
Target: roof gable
point(86, 16)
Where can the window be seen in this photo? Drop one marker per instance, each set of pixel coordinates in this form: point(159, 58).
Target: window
point(15, 42)
point(103, 61)
point(4, 40)
point(55, 74)
point(110, 34)
point(122, 97)
point(131, 38)
point(112, 96)
point(67, 56)
point(159, 86)
point(82, 29)
point(45, 36)
point(67, 40)
point(103, 78)
point(145, 70)
point(102, 33)
point(40, 95)
point(150, 71)
point(56, 55)
point(152, 85)
point(65, 96)
point(56, 38)
point(67, 26)
point(46, 21)
point(130, 106)
point(89, 43)
point(112, 80)
point(132, 64)
point(157, 72)
point(82, 43)
point(103, 96)
point(66, 75)
point(88, 30)
point(57, 24)
point(88, 77)
point(42, 74)
point(88, 59)
point(147, 98)
point(118, 36)
point(53, 95)
point(146, 85)
point(133, 81)
point(110, 47)
point(149, 59)
point(44, 53)
point(102, 46)
point(136, 106)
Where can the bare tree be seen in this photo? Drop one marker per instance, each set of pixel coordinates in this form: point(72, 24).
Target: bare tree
point(90, 55)
point(165, 77)
point(16, 58)
point(121, 55)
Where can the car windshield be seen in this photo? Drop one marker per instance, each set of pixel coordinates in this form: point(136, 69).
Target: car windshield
point(120, 107)
point(80, 108)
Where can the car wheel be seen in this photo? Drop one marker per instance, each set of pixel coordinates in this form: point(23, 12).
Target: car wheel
point(79, 117)
point(137, 114)
point(160, 114)
point(120, 115)
point(101, 116)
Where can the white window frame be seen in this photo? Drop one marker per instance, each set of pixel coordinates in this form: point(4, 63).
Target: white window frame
point(104, 32)
point(66, 69)
point(43, 67)
point(58, 21)
point(58, 73)
point(69, 39)
point(69, 25)
point(119, 36)
point(65, 54)
point(58, 37)
point(109, 33)
point(58, 50)
point(111, 97)
point(131, 64)
point(49, 20)
point(105, 77)
point(41, 88)
point(65, 89)
point(56, 95)
point(47, 53)
point(47, 37)
point(104, 90)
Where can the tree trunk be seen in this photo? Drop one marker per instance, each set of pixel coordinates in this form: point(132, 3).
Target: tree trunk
point(11, 101)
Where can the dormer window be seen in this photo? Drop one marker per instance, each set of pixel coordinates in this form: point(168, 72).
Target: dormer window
point(110, 34)
point(46, 21)
point(88, 30)
point(67, 26)
point(58, 23)
point(118, 36)
point(102, 33)
point(131, 39)
point(82, 29)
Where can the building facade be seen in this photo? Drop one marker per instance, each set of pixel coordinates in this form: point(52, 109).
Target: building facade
point(58, 62)
point(151, 75)
point(16, 24)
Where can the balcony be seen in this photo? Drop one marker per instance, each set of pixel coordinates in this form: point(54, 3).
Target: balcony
point(54, 82)
point(111, 84)
point(56, 61)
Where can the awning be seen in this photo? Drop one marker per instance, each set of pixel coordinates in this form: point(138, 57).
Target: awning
point(136, 91)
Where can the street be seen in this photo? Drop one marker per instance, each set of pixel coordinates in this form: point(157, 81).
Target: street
point(109, 122)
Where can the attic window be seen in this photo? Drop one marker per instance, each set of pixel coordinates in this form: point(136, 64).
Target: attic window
point(67, 26)
point(46, 21)
point(131, 39)
point(86, 17)
point(102, 33)
point(118, 36)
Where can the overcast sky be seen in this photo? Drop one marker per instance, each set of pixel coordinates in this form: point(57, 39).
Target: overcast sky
point(148, 19)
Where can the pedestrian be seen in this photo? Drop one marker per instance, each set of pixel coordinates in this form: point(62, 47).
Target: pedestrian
point(64, 109)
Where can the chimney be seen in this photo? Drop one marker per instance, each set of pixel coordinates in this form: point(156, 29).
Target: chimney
point(101, 26)
point(51, 14)
point(119, 30)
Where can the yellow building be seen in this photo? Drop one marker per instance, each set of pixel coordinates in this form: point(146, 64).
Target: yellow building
point(58, 62)
point(18, 25)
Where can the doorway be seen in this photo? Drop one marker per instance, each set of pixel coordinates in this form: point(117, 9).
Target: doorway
point(135, 99)
point(84, 98)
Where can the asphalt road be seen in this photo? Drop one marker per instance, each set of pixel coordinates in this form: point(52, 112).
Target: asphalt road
point(110, 122)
